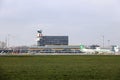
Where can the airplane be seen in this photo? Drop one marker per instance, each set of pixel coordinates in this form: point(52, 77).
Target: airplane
point(95, 49)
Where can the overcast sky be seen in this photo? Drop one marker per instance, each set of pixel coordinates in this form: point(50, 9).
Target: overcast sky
point(84, 21)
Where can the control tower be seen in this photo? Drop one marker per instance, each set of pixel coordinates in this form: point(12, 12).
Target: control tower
point(39, 37)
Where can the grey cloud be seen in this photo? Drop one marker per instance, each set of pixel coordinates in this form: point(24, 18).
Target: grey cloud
point(80, 19)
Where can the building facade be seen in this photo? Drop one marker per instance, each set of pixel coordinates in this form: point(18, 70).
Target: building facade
point(53, 40)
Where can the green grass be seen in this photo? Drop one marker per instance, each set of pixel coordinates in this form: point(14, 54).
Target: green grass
point(60, 67)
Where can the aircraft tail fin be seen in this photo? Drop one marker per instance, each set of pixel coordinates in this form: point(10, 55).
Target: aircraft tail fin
point(82, 47)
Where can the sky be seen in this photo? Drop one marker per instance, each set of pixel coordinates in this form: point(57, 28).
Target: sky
point(84, 21)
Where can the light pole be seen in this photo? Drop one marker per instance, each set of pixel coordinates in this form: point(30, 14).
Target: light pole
point(103, 40)
point(8, 40)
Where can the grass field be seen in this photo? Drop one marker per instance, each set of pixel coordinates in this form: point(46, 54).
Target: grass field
point(60, 67)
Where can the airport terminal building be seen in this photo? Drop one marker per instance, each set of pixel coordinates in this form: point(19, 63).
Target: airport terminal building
point(53, 44)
